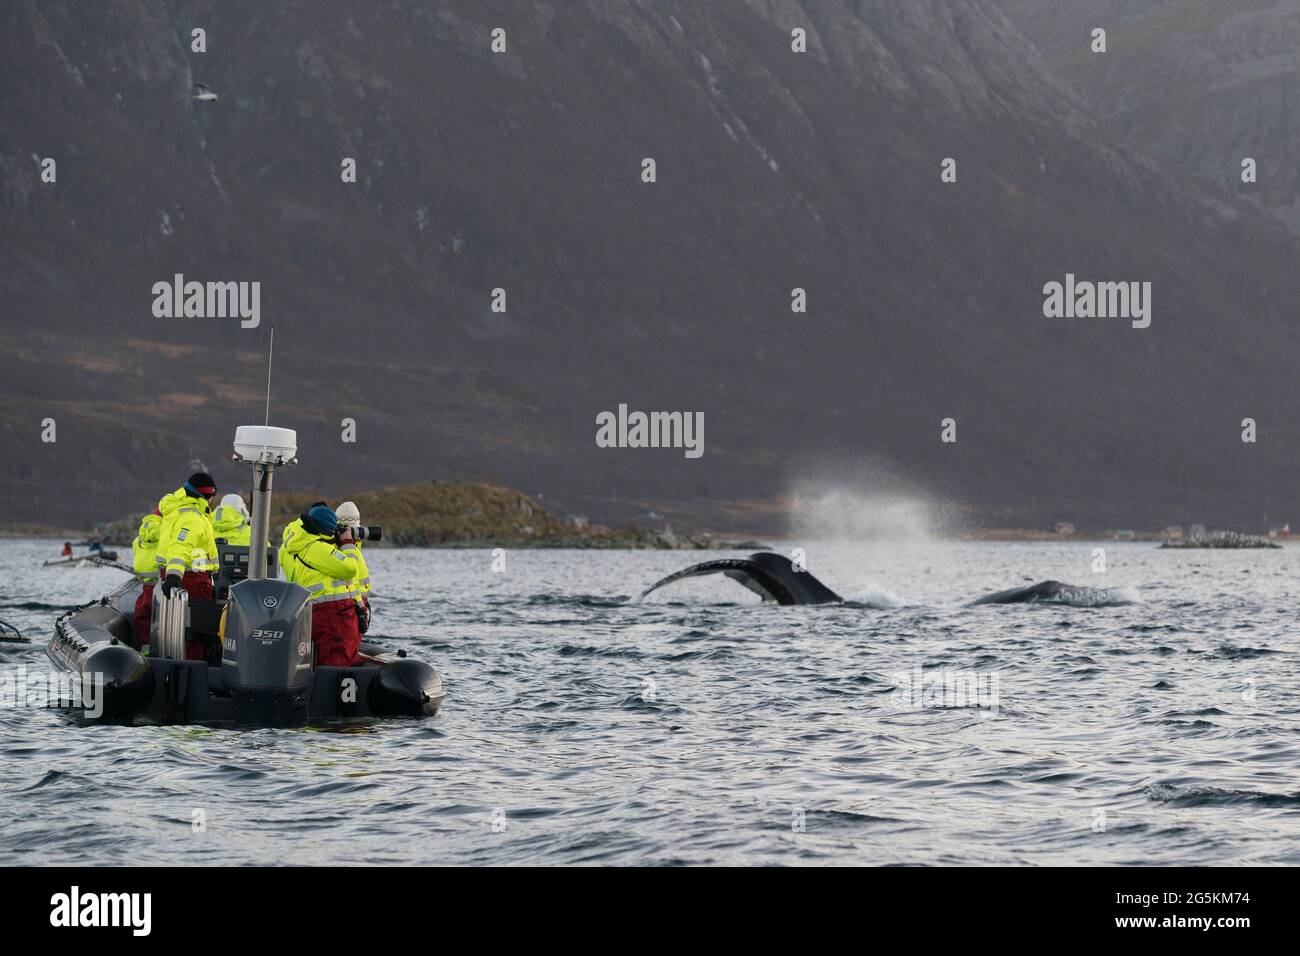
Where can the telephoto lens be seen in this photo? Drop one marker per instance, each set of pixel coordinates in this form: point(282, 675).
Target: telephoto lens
point(362, 533)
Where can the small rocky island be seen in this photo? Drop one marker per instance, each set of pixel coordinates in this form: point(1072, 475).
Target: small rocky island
point(1222, 539)
point(465, 514)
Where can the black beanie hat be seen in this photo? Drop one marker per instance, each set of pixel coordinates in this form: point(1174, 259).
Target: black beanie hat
point(202, 482)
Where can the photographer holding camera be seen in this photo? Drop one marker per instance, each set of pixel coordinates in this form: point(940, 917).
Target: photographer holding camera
point(351, 533)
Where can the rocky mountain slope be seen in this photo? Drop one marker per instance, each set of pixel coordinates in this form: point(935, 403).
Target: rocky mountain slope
point(521, 171)
point(1200, 83)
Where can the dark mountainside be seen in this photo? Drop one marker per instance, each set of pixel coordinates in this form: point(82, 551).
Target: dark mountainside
point(522, 171)
point(1201, 83)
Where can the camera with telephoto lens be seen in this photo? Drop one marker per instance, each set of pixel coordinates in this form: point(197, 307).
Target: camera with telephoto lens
point(361, 533)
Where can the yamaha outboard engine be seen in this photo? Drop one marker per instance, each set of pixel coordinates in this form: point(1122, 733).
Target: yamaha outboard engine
point(266, 649)
point(266, 653)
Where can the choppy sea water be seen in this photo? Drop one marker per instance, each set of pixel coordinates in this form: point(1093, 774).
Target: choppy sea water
point(701, 727)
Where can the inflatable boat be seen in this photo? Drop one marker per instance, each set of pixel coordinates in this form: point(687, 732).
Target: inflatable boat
point(259, 666)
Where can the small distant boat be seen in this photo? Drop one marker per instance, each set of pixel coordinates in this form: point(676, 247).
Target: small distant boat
point(204, 93)
point(106, 560)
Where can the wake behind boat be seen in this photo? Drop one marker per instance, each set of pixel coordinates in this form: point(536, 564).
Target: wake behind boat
point(261, 667)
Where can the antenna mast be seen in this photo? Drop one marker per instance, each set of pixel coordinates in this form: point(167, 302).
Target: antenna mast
point(270, 353)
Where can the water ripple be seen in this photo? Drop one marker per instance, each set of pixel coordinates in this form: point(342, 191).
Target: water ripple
point(703, 728)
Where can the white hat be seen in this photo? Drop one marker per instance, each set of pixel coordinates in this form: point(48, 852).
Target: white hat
point(236, 502)
point(348, 514)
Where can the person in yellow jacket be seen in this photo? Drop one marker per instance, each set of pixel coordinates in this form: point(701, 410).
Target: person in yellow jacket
point(144, 551)
point(311, 557)
point(349, 518)
point(230, 521)
point(187, 548)
point(290, 530)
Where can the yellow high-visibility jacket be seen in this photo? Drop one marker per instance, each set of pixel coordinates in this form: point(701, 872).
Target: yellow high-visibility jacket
point(185, 540)
point(361, 583)
point(292, 528)
point(230, 525)
point(315, 562)
point(144, 549)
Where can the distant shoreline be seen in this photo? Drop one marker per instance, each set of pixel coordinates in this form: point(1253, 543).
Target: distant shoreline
point(644, 539)
point(464, 514)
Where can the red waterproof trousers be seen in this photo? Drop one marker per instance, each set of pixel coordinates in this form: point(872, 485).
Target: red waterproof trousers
point(335, 632)
point(143, 612)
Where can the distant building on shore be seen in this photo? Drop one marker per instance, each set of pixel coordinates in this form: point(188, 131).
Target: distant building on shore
point(652, 520)
point(1282, 532)
point(1125, 535)
point(1064, 527)
point(1173, 532)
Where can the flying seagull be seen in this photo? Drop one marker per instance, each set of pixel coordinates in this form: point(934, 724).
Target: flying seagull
point(201, 92)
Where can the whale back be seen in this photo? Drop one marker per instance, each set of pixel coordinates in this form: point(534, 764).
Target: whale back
point(1042, 591)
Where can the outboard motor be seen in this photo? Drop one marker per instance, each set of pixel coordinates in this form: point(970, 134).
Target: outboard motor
point(266, 651)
